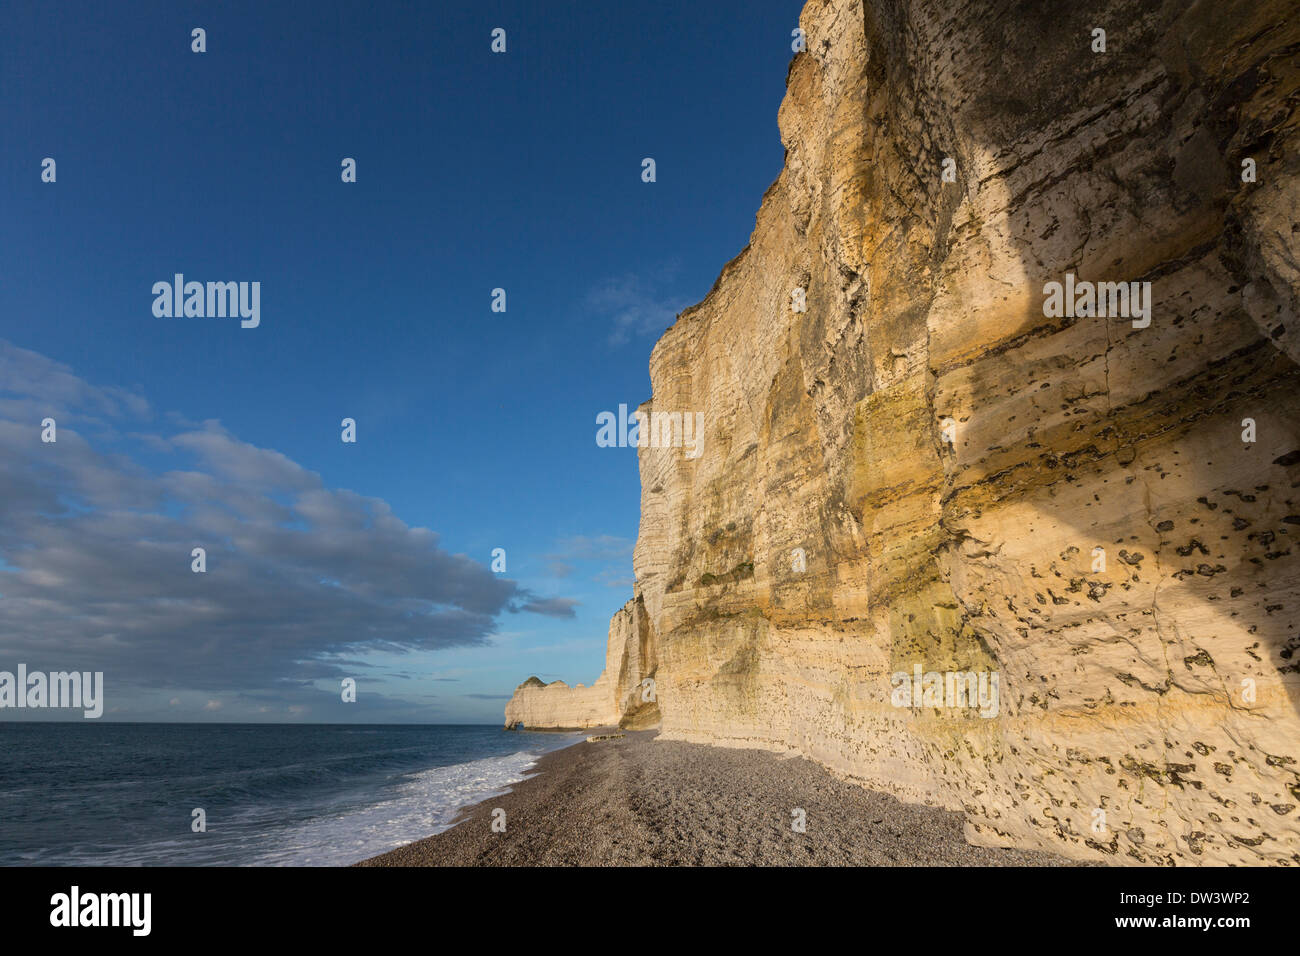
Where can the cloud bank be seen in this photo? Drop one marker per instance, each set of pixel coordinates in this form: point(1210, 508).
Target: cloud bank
point(95, 552)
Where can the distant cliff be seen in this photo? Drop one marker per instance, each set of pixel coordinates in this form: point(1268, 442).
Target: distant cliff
point(619, 696)
point(943, 464)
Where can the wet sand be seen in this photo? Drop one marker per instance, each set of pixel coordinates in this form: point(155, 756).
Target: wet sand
point(645, 802)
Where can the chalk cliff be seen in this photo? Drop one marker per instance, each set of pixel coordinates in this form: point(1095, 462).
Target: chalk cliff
point(926, 469)
point(618, 697)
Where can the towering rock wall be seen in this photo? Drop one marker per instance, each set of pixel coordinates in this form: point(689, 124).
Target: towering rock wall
point(930, 469)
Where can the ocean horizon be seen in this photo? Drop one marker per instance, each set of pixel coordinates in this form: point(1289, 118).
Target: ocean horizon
point(125, 794)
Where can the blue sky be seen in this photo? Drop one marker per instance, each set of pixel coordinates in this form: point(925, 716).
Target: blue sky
point(475, 171)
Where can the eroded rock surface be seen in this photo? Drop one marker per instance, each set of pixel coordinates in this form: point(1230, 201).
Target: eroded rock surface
point(921, 468)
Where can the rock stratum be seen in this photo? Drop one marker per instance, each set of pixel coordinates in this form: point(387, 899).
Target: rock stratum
point(926, 469)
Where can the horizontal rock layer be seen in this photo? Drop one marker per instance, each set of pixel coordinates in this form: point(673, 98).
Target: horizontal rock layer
point(926, 469)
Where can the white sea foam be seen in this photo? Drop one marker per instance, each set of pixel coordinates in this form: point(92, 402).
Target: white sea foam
point(422, 805)
point(310, 812)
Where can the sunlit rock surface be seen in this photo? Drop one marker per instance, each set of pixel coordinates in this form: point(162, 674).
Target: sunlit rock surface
point(920, 468)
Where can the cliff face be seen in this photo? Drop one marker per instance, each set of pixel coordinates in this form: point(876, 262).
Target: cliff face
point(933, 470)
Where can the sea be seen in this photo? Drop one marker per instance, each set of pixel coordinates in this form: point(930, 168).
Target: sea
point(122, 794)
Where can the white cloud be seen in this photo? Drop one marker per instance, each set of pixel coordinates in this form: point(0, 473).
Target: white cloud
point(634, 306)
